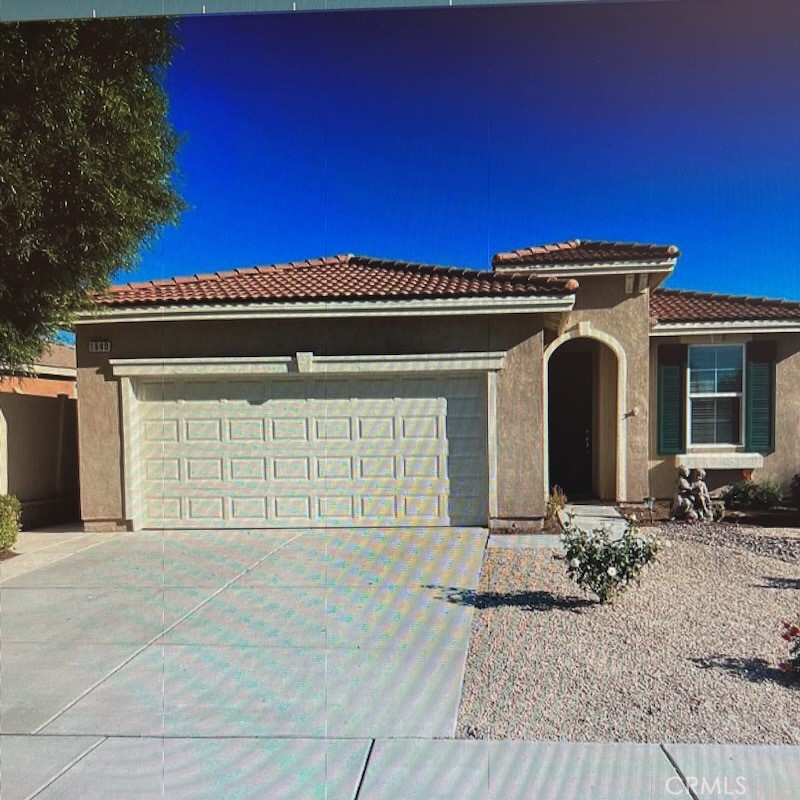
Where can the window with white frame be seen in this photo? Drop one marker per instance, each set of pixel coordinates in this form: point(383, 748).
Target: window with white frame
point(716, 384)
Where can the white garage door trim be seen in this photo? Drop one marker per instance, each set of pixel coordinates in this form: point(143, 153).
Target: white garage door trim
point(128, 370)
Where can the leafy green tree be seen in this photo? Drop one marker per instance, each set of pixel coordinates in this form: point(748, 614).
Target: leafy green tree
point(87, 156)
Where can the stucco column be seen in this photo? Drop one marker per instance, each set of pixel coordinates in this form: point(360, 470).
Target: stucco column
point(3, 452)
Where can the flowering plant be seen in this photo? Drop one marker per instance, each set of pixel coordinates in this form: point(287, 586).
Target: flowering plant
point(604, 563)
point(791, 633)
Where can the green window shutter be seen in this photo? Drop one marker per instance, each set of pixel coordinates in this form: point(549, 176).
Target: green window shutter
point(760, 398)
point(671, 399)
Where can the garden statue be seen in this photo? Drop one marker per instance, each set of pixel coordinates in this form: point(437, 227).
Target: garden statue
point(692, 498)
point(683, 506)
point(702, 503)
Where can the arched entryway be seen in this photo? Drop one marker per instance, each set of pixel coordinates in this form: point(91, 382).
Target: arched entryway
point(584, 447)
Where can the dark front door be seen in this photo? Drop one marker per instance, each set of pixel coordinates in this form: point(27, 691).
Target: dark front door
point(571, 404)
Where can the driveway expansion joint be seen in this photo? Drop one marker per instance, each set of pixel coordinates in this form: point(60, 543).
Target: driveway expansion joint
point(679, 771)
point(363, 775)
point(66, 768)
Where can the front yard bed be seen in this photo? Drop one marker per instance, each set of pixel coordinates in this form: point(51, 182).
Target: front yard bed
point(689, 656)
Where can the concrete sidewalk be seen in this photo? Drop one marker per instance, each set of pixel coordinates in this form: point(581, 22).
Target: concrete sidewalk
point(141, 768)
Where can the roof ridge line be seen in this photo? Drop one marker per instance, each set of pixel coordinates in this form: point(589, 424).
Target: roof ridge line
point(521, 278)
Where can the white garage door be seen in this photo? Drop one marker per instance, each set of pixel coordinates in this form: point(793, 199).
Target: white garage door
point(285, 452)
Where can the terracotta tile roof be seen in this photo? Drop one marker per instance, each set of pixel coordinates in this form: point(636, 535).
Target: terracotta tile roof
point(336, 278)
point(677, 305)
point(582, 251)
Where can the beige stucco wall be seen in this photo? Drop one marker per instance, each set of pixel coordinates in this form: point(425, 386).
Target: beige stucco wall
point(38, 456)
point(519, 385)
point(603, 303)
point(780, 465)
point(58, 355)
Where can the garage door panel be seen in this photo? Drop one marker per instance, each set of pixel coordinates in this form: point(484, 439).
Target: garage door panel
point(167, 509)
point(247, 430)
point(248, 508)
point(422, 466)
point(163, 469)
point(160, 430)
point(294, 452)
point(204, 469)
point(426, 506)
point(292, 507)
point(199, 509)
point(377, 428)
point(248, 469)
point(420, 427)
point(378, 506)
point(335, 507)
point(335, 467)
point(333, 429)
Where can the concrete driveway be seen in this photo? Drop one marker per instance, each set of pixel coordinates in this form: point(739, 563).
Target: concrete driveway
point(229, 664)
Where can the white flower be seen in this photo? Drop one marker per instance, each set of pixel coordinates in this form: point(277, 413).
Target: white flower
point(612, 572)
point(634, 517)
point(575, 563)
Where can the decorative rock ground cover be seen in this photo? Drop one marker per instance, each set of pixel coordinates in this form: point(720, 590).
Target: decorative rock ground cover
point(689, 656)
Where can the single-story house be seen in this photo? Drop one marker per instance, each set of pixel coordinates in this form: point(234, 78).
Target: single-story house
point(361, 391)
point(39, 438)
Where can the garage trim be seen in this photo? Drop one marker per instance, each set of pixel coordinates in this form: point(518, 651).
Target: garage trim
point(306, 363)
point(128, 370)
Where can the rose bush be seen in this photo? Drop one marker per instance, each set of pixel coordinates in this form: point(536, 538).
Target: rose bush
point(607, 564)
point(791, 633)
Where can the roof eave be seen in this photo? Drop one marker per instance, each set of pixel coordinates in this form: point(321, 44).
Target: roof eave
point(665, 266)
point(706, 327)
point(436, 306)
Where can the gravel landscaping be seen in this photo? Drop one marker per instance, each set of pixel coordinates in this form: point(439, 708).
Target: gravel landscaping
point(780, 543)
point(689, 656)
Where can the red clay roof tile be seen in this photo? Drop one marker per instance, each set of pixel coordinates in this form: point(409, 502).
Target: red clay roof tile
point(678, 305)
point(344, 277)
point(583, 251)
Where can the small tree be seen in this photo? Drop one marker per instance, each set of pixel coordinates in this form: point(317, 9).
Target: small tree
point(86, 155)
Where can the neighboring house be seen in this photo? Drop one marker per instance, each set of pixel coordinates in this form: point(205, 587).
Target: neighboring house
point(358, 391)
point(38, 439)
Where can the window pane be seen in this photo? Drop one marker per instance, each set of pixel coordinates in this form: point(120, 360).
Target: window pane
point(715, 368)
point(729, 380)
point(729, 357)
point(702, 357)
point(703, 380)
point(716, 421)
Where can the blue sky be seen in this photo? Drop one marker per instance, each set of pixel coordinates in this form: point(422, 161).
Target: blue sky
point(446, 135)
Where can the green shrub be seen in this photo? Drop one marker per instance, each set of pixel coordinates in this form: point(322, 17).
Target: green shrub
point(557, 501)
point(605, 564)
point(10, 511)
point(747, 495)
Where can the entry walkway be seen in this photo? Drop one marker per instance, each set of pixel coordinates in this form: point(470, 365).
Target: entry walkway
point(590, 516)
